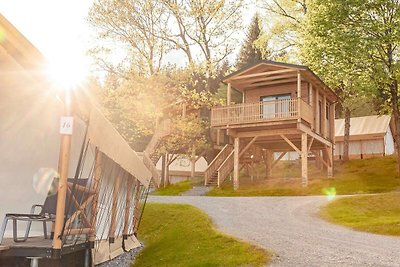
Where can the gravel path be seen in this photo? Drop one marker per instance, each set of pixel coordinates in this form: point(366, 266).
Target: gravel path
point(290, 227)
point(197, 191)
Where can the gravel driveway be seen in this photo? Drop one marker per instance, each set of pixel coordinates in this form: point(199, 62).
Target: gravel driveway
point(290, 227)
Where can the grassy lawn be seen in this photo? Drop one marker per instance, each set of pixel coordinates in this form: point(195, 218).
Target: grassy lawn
point(182, 235)
point(378, 214)
point(174, 189)
point(355, 177)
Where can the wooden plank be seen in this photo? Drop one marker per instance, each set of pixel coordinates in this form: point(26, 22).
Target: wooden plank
point(291, 144)
point(247, 146)
point(317, 114)
point(304, 160)
point(228, 94)
point(236, 163)
point(268, 78)
point(266, 133)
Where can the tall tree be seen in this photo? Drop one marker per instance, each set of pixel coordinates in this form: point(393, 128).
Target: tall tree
point(329, 51)
point(249, 53)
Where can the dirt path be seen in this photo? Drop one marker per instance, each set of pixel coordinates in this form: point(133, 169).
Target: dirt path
point(289, 227)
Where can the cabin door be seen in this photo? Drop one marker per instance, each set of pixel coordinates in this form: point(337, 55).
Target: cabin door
point(276, 106)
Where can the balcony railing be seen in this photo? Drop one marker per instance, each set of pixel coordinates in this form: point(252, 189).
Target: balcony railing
point(283, 109)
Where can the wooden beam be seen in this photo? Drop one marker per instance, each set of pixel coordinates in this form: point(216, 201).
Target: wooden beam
point(324, 122)
point(236, 163)
point(317, 137)
point(310, 144)
point(304, 160)
point(279, 158)
point(311, 90)
point(317, 112)
point(247, 146)
point(291, 144)
point(266, 73)
point(271, 83)
point(269, 78)
point(329, 152)
point(267, 133)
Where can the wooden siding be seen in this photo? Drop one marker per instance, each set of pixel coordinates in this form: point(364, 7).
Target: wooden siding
point(254, 95)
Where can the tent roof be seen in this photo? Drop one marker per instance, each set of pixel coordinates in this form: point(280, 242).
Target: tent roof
point(373, 126)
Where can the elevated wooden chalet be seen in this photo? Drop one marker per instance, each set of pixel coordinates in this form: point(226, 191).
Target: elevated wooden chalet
point(285, 107)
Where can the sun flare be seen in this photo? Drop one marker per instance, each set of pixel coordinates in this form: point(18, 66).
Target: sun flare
point(67, 74)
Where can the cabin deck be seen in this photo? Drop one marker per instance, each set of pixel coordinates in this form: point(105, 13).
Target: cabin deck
point(38, 247)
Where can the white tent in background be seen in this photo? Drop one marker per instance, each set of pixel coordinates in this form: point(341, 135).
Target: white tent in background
point(370, 136)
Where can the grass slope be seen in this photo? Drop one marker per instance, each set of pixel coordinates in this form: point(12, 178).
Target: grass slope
point(378, 214)
point(174, 189)
point(182, 235)
point(374, 175)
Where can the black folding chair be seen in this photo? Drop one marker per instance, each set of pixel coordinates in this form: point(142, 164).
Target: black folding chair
point(46, 214)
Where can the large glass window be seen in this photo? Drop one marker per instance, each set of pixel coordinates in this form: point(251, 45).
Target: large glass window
point(276, 106)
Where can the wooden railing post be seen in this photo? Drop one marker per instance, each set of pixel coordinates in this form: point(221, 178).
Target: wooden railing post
point(299, 96)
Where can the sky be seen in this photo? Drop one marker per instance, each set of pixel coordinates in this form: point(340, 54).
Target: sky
point(58, 28)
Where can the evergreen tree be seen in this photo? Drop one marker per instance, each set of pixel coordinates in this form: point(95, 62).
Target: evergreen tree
point(249, 53)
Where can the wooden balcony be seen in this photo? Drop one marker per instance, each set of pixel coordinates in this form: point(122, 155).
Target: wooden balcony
point(267, 111)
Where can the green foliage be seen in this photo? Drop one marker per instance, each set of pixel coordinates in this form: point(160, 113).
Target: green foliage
point(378, 214)
point(374, 175)
point(249, 53)
point(182, 235)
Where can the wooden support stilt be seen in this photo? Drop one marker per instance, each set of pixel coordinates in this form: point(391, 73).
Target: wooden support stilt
point(113, 224)
point(129, 185)
point(268, 162)
point(236, 163)
point(304, 160)
point(329, 153)
point(65, 148)
point(137, 207)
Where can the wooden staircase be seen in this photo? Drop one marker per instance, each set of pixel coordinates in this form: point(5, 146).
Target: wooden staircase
point(150, 155)
point(220, 168)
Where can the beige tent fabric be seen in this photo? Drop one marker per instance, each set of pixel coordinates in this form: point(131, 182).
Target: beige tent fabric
point(104, 251)
point(102, 134)
point(368, 126)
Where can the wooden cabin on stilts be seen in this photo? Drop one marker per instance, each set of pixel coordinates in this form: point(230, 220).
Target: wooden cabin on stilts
point(284, 108)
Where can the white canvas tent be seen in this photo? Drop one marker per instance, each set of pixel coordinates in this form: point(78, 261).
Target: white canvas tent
point(370, 136)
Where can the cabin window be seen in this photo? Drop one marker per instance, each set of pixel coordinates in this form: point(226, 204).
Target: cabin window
point(275, 106)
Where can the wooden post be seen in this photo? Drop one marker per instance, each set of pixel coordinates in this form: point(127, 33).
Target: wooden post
point(324, 128)
point(332, 123)
point(228, 94)
point(304, 160)
point(163, 172)
point(129, 185)
point(317, 112)
point(113, 225)
point(63, 181)
point(137, 207)
point(329, 153)
point(236, 164)
point(311, 97)
point(218, 137)
point(298, 96)
point(96, 187)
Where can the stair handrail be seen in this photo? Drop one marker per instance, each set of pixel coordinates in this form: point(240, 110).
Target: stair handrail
point(215, 163)
point(225, 168)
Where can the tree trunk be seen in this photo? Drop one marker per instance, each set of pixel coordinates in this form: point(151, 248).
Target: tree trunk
point(193, 169)
point(163, 161)
point(396, 118)
point(346, 140)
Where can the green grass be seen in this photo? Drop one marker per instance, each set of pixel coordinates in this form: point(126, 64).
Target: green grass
point(378, 214)
point(174, 189)
point(374, 175)
point(182, 235)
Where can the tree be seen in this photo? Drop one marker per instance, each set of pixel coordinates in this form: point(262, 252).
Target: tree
point(328, 50)
point(249, 53)
point(284, 18)
point(132, 27)
point(374, 27)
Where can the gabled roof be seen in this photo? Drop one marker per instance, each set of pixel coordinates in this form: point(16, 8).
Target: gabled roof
point(266, 72)
point(363, 127)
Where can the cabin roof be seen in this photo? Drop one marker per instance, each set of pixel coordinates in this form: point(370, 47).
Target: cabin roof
point(266, 73)
point(373, 126)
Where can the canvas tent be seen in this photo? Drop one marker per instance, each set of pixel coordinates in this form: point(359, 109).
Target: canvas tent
point(370, 136)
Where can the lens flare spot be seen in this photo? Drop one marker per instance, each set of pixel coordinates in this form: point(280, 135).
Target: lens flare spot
point(44, 182)
point(330, 193)
point(2, 35)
